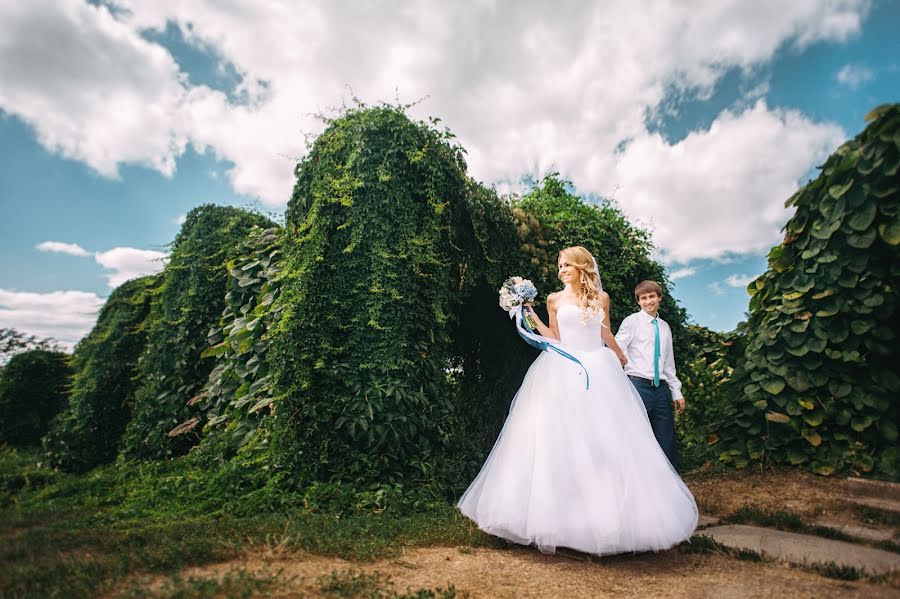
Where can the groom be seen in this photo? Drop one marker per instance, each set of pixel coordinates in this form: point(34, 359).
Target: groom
point(646, 340)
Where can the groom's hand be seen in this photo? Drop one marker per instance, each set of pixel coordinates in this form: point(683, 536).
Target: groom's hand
point(679, 405)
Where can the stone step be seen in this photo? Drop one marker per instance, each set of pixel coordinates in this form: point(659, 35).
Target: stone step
point(706, 521)
point(887, 505)
point(866, 533)
point(872, 488)
point(803, 549)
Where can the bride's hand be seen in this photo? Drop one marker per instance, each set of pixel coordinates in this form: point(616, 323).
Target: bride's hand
point(622, 359)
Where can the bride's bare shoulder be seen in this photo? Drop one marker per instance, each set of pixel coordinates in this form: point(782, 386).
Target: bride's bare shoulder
point(604, 298)
point(553, 298)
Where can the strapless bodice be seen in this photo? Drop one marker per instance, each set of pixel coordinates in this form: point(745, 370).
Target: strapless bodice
point(576, 332)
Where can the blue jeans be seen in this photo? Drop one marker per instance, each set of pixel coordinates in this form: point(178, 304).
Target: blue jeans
point(658, 401)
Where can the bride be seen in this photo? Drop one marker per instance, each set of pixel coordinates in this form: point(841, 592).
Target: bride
point(579, 467)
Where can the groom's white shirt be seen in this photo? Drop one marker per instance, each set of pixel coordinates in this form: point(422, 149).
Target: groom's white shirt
point(636, 337)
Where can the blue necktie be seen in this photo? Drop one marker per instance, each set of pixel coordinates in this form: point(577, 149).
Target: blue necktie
point(655, 353)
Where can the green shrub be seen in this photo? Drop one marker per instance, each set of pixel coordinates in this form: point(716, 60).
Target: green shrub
point(241, 386)
point(372, 283)
point(818, 383)
point(189, 302)
point(33, 389)
point(89, 431)
point(708, 386)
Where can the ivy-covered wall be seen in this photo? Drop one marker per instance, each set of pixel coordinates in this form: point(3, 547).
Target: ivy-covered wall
point(89, 431)
point(818, 382)
point(189, 301)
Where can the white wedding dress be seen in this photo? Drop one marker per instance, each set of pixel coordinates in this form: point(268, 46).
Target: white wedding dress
point(576, 467)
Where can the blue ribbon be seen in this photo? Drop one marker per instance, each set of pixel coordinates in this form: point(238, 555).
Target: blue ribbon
point(544, 346)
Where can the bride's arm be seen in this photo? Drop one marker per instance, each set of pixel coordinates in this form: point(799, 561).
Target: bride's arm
point(553, 330)
point(606, 332)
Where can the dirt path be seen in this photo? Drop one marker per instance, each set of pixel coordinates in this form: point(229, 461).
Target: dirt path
point(527, 573)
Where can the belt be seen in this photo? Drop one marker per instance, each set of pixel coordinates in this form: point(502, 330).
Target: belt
point(640, 379)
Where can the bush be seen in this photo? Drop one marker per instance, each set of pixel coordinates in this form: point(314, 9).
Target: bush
point(89, 431)
point(240, 390)
point(818, 383)
point(33, 389)
point(373, 277)
point(189, 302)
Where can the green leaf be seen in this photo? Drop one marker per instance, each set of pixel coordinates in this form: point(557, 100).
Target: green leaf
point(890, 232)
point(773, 386)
point(888, 429)
point(863, 240)
point(796, 456)
point(268, 400)
point(861, 423)
point(862, 219)
point(814, 418)
point(840, 389)
point(836, 191)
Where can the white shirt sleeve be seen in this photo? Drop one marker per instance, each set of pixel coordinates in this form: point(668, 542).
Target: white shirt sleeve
point(669, 368)
point(625, 333)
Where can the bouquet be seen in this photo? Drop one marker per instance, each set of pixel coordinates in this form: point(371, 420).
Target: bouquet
point(516, 292)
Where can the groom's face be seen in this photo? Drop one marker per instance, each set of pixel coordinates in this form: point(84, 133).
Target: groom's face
point(649, 302)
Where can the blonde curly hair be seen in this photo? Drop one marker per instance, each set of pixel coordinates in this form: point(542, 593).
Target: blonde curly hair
point(588, 290)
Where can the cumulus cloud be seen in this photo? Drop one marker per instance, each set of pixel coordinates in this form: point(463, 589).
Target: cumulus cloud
point(526, 87)
point(854, 75)
point(129, 263)
point(682, 273)
point(740, 281)
point(721, 191)
point(64, 315)
point(72, 249)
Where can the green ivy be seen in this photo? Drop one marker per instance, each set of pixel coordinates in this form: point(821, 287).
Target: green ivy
point(33, 389)
point(372, 279)
point(708, 383)
point(241, 386)
point(89, 431)
point(189, 301)
point(818, 383)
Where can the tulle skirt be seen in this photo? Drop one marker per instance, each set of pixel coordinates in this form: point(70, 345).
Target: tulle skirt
point(580, 468)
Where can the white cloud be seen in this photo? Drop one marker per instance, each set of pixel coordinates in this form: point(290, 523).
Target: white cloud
point(854, 75)
point(527, 87)
point(682, 273)
point(180, 219)
point(721, 191)
point(72, 249)
point(92, 88)
point(129, 263)
point(716, 288)
point(740, 281)
point(64, 315)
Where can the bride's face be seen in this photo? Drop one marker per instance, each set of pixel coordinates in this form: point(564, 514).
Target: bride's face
point(568, 273)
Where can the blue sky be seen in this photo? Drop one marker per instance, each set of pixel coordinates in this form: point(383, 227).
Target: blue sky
point(702, 124)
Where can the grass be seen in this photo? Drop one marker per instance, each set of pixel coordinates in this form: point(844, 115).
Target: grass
point(236, 583)
point(703, 544)
point(79, 536)
point(350, 584)
point(871, 515)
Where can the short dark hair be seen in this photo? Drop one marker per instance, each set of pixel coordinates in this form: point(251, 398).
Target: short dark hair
point(647, 287)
